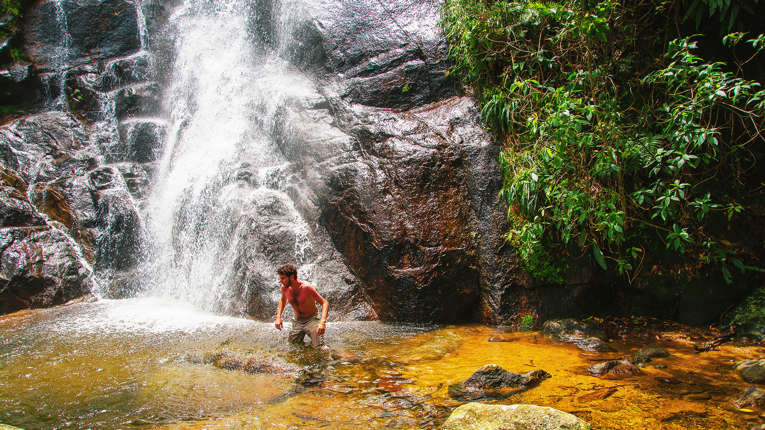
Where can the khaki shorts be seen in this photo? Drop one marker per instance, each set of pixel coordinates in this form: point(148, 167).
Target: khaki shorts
point(306, 326)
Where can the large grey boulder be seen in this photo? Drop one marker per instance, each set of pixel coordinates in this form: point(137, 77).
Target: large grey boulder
point(479, 416)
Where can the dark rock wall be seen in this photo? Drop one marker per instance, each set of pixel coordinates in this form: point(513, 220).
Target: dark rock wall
point(72, 169)
point(411, 203)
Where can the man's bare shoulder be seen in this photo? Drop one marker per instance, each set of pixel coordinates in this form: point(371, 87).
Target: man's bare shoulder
point(307, 285)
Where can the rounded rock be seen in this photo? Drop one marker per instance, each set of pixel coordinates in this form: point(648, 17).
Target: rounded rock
point(512, 417)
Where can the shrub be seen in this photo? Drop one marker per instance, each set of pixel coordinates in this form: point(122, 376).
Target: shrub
point(618, 148)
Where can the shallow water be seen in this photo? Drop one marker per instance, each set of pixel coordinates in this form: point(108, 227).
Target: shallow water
point(146, 364)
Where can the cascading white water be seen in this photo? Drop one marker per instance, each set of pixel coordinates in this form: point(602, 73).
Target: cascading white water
point(60, 58)
point(213, 179)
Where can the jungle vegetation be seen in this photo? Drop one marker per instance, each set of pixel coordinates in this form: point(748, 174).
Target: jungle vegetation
point(631, 131)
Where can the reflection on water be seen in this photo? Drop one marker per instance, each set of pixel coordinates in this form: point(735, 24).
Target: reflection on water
point(145, 364)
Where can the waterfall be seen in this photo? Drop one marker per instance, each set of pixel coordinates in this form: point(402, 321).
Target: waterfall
point(220, 181)
point(60, 59)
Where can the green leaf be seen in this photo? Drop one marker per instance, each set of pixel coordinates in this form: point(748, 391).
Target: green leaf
point(599, 258)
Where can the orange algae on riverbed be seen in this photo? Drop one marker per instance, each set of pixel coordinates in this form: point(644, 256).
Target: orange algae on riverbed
point(693, 391)
point(404, 384)
point(85, 367)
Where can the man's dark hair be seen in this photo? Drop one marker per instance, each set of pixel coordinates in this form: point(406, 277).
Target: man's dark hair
point(287, 270)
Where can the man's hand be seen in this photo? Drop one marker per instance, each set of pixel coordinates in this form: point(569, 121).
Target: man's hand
point(321, 329)
point(278, 323)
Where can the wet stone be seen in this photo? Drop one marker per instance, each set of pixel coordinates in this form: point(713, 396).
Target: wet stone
point(138, 100)
point(584, 334)
point(527, 417)
point(494, 382)
point(501, 339)
point(751, 398)
point(752, 371)
point(614, 368)
point(140, 141)
point(646, 354)
point(15, 210)
point(311, 376)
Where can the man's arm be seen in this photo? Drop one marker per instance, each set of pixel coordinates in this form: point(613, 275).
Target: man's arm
point(279, 310)
point(324, 312)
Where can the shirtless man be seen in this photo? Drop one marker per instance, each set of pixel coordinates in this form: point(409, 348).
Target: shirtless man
point(303, 299)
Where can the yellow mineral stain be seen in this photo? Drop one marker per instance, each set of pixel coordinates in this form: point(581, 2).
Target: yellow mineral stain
point(15, 318)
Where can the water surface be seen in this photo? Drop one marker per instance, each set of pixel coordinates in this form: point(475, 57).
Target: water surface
point(147, 364)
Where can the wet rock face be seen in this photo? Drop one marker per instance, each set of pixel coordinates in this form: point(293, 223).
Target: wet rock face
point(80, 182)
point(389, 54)
point(39, 267)
point(407, 196)
point(97, 29)
point(15, 209)
point(59, 210)
point(20, 87)
point(405, 214)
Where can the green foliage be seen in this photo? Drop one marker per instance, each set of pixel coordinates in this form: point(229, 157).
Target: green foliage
point(11, 23)
point(527, 322)
point(749, 316)
point(614, 153)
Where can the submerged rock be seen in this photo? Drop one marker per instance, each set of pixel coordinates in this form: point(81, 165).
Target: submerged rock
point(584, 334)
point(244, 361)
point(614, 368)
point(479, 416)
point(752, 371)
point(647, 353)
point(494, 382)
point(752, 397)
